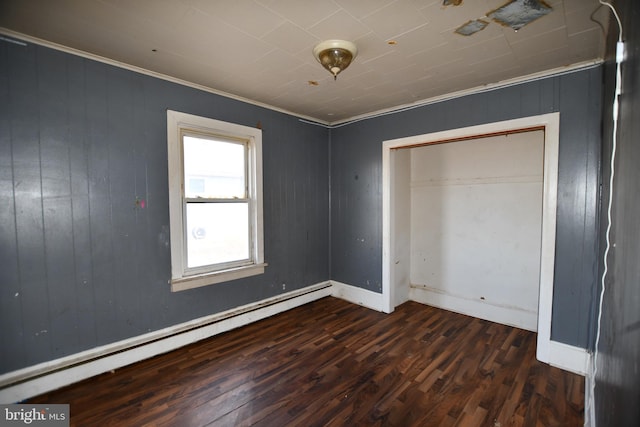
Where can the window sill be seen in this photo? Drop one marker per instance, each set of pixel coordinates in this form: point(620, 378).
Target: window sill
point(191, 282)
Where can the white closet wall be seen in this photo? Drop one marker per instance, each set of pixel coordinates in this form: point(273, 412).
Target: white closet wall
point(476, 218)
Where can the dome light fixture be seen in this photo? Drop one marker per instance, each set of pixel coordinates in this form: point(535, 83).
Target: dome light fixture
point(335, 55)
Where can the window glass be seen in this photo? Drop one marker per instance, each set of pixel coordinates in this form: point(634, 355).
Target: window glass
point(214, 169)
point(217, 233)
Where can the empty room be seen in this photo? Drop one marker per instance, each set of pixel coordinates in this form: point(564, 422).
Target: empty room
point(319, 213)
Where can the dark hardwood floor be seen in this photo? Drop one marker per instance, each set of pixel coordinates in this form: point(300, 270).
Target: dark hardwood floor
point(331, 363)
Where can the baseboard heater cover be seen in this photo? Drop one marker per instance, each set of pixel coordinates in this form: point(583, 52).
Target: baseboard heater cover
point(47, 376)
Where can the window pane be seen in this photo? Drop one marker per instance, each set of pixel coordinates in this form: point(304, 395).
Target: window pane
point(213, 169)
point(217, 233)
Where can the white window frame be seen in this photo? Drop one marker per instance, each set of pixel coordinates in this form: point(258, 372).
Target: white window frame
point(183, 278)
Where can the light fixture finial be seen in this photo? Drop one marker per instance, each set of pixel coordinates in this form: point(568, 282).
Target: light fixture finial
point(335, 55)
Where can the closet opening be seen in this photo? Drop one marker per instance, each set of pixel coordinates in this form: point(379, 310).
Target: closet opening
point(469, 221)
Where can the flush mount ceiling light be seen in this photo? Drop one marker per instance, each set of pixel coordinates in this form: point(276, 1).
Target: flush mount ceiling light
point(335, 55)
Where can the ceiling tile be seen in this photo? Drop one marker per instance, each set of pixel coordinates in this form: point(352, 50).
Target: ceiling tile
point(195, 71)
point(246, 15)
point(417, 88)
point(394, 20)
point(359, 9)
point(427, 92)
point(407, 75)
point(341, 26)
point(391, 60)
point(371, 46)
point(275, 61)
point(586, 45)
point(540, 62)
point(365, 80)
point(580, 19)
point(163, 12)
point(504, 61)
point(204, 35)
point(391, 95)
point(421, 4)
point(500, 76)
point(575, 5)
point(438, 56)
point(291, 38)
point(304, 13)
point(485, 51)
point(447, 70)
point(539, 43)
point(443, 18)
point(420, 39)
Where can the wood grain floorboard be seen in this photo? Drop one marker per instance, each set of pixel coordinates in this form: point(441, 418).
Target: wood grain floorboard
point(331, 363)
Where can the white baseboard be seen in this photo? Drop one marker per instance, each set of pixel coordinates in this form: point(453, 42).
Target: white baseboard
point(511, 316)
point(563, 356)
point(569, 357)
point(589, 397)
point(355, 295)
point(35, 380)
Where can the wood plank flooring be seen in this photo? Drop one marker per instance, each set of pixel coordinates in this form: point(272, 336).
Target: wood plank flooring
point(331, 363)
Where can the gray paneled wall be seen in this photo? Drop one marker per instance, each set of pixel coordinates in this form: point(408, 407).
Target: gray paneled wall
point(617, 391)
point(356, 194)
point(83, 264)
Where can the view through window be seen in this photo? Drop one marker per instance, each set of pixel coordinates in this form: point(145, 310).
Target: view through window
point(217, 203)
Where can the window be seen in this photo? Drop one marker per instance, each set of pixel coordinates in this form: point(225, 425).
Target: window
point(215, 201)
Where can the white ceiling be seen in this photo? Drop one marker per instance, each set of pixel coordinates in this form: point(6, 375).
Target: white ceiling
point(261, 50)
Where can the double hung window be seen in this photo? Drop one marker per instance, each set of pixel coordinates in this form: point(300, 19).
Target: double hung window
point(215, 200)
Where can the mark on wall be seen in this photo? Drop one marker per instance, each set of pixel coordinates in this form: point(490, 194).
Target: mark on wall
point(140, 203)
point(163, 237)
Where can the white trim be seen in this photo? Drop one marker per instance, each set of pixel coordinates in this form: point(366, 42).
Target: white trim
point(551, 124)
point(506, 315)
point(589, 398)
point(356, 295)
point(387, 240)
point(181, 277)
point(568, 357)
point(308, 119)
point(34, 380)
point(548, 246)
point(191, 282)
